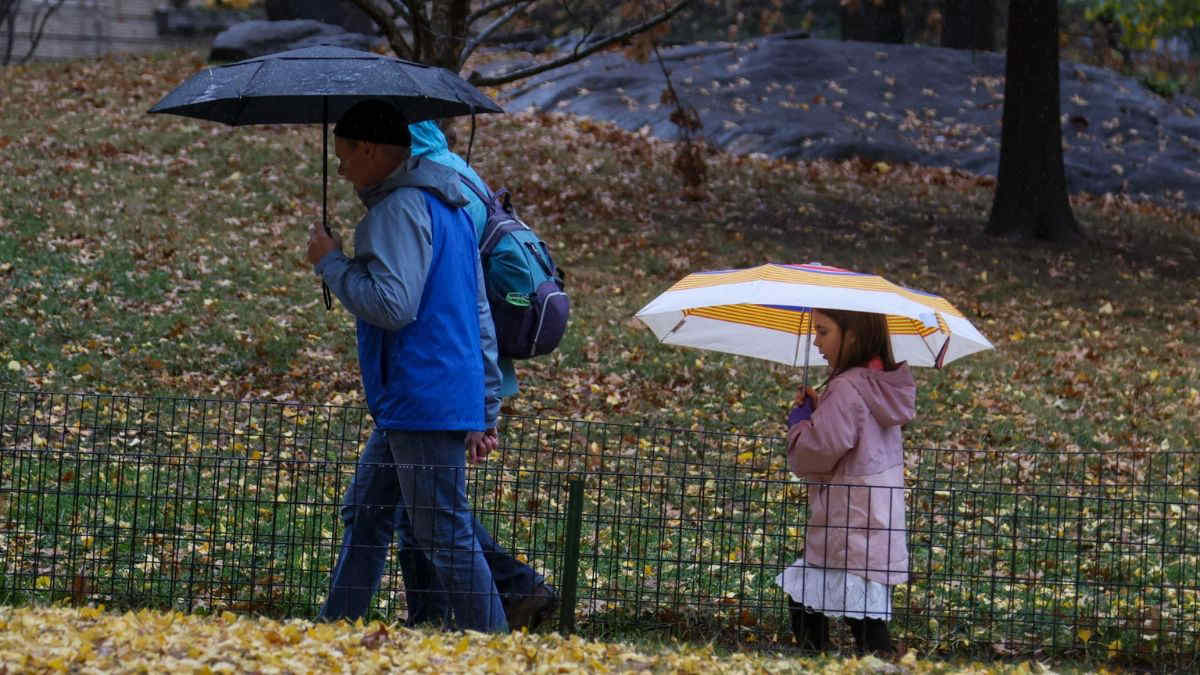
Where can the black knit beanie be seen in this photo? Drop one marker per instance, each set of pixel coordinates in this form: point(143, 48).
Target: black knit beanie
point(374, 121)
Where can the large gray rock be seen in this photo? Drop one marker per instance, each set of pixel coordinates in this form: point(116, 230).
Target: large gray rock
point(257, 38)
point(787, 96)
point(189, 21)
point(335, 12)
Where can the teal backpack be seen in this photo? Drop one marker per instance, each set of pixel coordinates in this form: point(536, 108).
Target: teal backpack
point(524, 287)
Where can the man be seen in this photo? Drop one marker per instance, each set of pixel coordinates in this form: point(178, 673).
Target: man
point(427, 351)
point(528, 600)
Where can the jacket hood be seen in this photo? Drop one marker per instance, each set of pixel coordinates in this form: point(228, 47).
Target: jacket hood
point(418, 172)
point(429, 142)
point(891, 396)
point(427, 138)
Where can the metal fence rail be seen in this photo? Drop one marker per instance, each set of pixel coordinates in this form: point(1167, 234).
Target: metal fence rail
point(206, 505)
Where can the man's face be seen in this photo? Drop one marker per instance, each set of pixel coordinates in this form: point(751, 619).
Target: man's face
point(354, 162)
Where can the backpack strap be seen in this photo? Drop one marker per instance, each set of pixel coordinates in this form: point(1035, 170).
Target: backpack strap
point(483, 195)
point(495, 229)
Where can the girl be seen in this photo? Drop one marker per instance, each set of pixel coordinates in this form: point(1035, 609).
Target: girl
point(847, 442)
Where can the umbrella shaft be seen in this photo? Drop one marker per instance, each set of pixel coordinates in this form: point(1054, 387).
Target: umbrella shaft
point(325, 294)
point(325, 166)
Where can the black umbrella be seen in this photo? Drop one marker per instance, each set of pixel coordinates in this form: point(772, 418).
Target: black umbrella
point(316, 85)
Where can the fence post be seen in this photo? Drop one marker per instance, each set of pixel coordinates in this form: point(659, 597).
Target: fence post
point(566, 618)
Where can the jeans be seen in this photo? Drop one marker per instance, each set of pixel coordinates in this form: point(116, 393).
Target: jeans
point(414, 484)
point(426, 598)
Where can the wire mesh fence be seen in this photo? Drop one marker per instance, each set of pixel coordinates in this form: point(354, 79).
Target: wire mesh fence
point(206, 505)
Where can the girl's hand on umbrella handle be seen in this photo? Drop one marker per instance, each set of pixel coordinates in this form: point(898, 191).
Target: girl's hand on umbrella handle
point(800, 413)
point(808, 393)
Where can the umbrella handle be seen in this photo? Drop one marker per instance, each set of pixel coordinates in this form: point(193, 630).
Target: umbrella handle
point(941, 356)
point(807, 346)
point(325, 189)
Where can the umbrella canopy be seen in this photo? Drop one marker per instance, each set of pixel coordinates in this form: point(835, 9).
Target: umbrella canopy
point(316, 85)
point(766, 312)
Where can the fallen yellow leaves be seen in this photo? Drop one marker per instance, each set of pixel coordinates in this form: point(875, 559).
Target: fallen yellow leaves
point(91, 640)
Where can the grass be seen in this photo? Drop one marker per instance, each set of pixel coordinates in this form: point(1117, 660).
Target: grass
point(160, 256)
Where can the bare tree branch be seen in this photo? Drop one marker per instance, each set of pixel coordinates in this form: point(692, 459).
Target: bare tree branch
point(401, 10)
point(578, 54)
point(419, 23)
point(689, 156)
point(387, 24)
point(489, 8)
point(37, 26)
point(473, 44)
point(8, 15)
point(570, 12)
point(9, 6)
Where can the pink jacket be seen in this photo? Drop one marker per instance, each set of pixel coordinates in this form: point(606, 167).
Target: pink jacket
point(852, 449)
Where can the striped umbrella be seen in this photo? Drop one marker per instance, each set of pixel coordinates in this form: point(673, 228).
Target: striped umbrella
point(766, 312)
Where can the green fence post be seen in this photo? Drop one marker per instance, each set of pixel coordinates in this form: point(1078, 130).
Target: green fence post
point(570, 580)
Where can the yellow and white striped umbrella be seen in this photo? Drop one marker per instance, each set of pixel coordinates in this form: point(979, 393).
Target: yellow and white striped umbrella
point(765, 312)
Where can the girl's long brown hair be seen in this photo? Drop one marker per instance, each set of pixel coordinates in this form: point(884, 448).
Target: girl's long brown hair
point(871, 340)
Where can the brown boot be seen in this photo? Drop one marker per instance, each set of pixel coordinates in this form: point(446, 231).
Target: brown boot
point(529, 611)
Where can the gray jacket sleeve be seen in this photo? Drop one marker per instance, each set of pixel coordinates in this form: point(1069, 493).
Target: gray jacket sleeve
point(491, 352)
point(393, 249)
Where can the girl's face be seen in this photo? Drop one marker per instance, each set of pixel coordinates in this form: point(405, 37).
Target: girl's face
point(827, 337)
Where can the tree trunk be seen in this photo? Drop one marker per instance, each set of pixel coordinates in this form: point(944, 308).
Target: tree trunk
point(873, 21)
point(1031, 184)
point(969, 24)
point(449, 33)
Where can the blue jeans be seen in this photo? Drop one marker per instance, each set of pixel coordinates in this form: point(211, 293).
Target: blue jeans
point(426, 597)
point(414, 484)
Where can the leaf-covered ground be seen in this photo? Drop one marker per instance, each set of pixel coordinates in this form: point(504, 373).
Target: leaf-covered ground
point(163, 256)
point(90, 640)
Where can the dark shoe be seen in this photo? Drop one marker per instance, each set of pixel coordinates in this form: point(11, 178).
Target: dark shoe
point(810, 627)
point(871, 635)
point(529, 611)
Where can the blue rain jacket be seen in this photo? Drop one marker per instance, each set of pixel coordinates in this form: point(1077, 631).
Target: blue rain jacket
point(426, 342)
point(429, 142)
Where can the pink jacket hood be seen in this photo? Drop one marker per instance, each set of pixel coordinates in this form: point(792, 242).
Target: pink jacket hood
point(891, 396)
